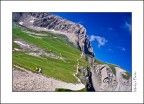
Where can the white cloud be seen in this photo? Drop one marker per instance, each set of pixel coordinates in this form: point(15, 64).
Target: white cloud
point(121, 48)
point(128, 26)
point(92, 38)
point(110, 50)
point(111, 29)
point(80, 22)
point(101, 40)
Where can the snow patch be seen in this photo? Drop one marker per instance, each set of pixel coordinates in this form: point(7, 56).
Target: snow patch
point(31, 21)
point(22, 44)
point(16, 49)
point(21, 23)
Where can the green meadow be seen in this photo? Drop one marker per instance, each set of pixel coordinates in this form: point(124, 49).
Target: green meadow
point(56, 68)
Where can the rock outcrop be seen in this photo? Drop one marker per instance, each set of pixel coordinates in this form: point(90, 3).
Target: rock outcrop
point(105, 80)
point(101, 78)
point(76, 33)
point(105, 77)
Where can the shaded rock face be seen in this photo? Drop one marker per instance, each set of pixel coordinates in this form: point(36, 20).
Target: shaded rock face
point(76, 33)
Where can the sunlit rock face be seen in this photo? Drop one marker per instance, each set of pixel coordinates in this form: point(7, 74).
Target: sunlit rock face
point(104, 79)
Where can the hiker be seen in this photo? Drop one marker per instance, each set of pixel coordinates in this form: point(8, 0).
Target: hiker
point(40, 70)
point(36, 68)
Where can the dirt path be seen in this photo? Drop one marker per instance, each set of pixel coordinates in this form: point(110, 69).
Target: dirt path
point(24, 80)
point(77, 69)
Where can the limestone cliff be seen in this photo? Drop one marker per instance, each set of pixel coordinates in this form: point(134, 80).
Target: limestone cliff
point(100, 76)
point(104, 79)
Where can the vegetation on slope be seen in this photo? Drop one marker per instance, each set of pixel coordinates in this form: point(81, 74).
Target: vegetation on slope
point(56, 68)
point(113, 68)
point(127, 76)
point(58, 44)
point(68, 90)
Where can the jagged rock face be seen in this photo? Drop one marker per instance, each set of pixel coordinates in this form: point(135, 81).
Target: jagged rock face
point(103, 79)
point(76, 33)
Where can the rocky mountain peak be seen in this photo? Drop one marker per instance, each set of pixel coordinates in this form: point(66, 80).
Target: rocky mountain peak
point(75, 32)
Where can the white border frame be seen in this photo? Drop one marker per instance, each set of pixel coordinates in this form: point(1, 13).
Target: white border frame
point(7, 7)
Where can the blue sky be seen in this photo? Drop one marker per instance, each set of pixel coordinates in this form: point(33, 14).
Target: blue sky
point(110, 34)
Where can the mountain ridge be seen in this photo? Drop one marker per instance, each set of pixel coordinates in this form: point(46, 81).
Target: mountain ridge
point(76, 32)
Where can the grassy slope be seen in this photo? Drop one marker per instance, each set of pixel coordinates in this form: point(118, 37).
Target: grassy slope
point(127, 76)
point(51, 67)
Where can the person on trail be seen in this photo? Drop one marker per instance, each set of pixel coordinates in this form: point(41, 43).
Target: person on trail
point(36, 68)
point(40, 70)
